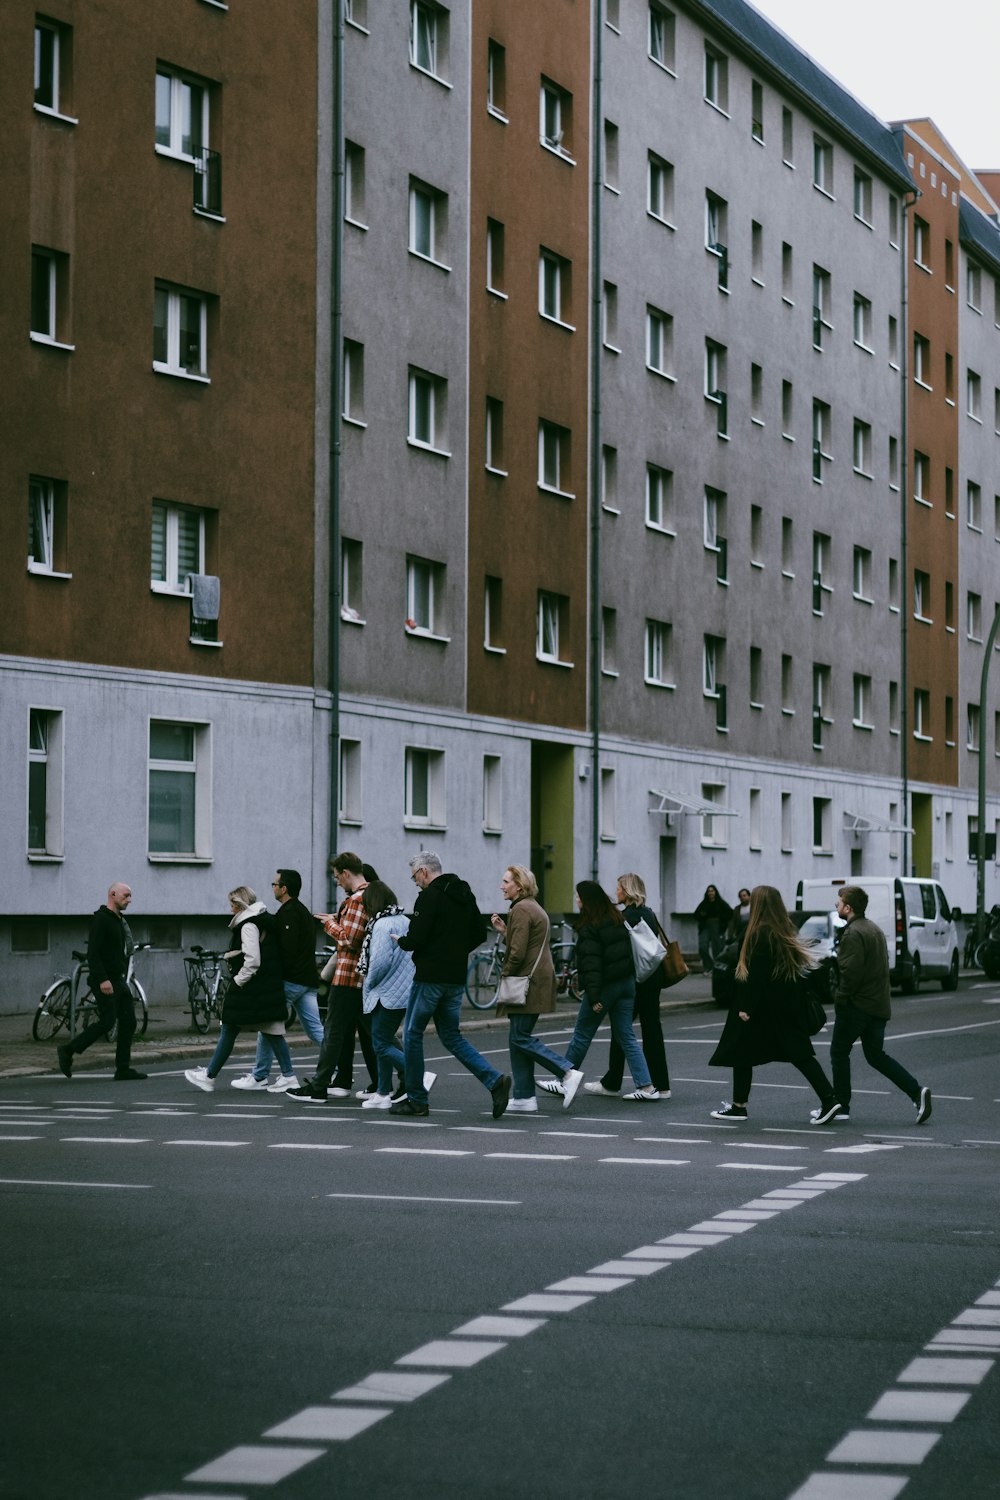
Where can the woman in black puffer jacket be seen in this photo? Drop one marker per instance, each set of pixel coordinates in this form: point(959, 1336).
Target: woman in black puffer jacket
point(607, 978)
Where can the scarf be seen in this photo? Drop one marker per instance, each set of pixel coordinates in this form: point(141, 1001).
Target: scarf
point(366, 942)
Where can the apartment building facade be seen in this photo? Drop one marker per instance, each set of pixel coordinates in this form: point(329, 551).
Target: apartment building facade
point(624, 564)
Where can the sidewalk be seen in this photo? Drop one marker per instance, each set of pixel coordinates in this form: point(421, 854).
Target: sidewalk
point(170, 1037)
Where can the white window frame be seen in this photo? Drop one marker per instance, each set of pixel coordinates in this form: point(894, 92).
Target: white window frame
point(172, 365)
point(424, 787)
point(424, 597)
point(178, 82)
point(551, 440)
point(492, 793)
point(972, 727)
point(547, 636)
point(200, 768)
point(426, 38)
point(496, 79)
point(822, 179)
point(552, 124)
point(351, 787)
point(862, 322)
point(921, 595)
point(862, 444)
point(714, 831)
point(862, 574)
point(659, 341)
point(60, 43)
point(46, 749)
point(862, 197)
point(862, 701)
point(553, 280)
point(172, 582)
point(661, 37)
point(973, 505)
point(608, 821)
point(973, 616)
point(609, 479)
point(46, 520)
point(352, 581)
point(710, 666)
point(658, 643)
point(433, 387)
point(921, 478)
point(973, 285)
point(659, 188)
point(353, 382)
point(922, 360)
point(436, 207)
point(494, 435)
point(974, 395)
point(354, 184)
point(716, 79)
point(659, 495)
point(921, 247)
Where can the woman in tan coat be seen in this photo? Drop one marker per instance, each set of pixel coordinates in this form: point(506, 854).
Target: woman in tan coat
point(526, 929)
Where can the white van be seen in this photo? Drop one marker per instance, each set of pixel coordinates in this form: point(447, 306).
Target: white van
point(915, 917)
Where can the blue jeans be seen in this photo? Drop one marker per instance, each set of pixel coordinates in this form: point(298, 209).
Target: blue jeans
point(385, 1024)
point(305, 1003)
point(442, 1004)
point(849, 1024)
point(618, 1002)
point(525, 1051)
point(227, 1041)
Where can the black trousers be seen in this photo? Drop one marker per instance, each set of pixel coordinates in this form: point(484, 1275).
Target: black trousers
point(809, 1068)
point(344, 1017)
point(118, 1006)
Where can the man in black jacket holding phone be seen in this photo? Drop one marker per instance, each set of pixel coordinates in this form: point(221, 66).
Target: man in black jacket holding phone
point(109, 947)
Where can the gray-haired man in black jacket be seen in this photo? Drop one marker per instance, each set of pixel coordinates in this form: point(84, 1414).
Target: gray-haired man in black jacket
point(109, 947)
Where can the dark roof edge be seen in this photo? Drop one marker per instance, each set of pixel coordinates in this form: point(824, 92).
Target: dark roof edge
point(752, 34)
point(977, 231)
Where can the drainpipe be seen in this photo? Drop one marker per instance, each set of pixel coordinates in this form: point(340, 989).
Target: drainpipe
point(336, 404)
point(908, 200)
point(981, 808)
point(597, 291)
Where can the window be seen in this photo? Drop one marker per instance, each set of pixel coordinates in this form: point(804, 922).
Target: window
point(49, 297)
point(922, 360)
point(354, 183)
point(893, 707)
point(659, 187)
point(894, 221)
point(893, 463)
point(556, 124)
point(949, 492)
point(611, 156)
point(662, 36)
point(862, 448)
point(53, 67)
point(356, 13)
point(424, 788)
point(493, 614)
point(921, 242)
point(659, 341)
point(609, 642)
point(949, 606)
point(492, 794)
point(974, 617)
point(821, 702)
point(787, 685)
point(494, 435)
point(862, 701)
point(786, 823)
point(787, 403)
point(659, 641)
point(552, 622)
point(949, 727)
point(659, 497)
point(756, 677)
point(822, 425)
point(46, 525)
point(949, 378)
point(893, 585)
point(862, 196)
point(350, 781)
point(609, 479)
point(713, 825)
point(45, 782)
point(972, 727)
point(757, 252)
point(182, 114)
point(713, 661)
point(717, 234)
point(949, 265)
point(555, 287)
point(787, 136)
point(496, 79)
point(862, 574)
point(494, 257)
point(974, 286)
point(180, 332)
point(862, 321)
point(354, 381)
point(893, 342)
point(996, 410)
point(607, 803)
point(821, 305)
point(609, 312)
point(611, 14)
point(554, 458)
point(428, 411)
point(424, 597)
point(428, 230)
point(429, 38)
point(351, 581)
point(717, 79)
point(974, 396)
point(715, 519)
point(179, 789)
point(821, 562)
point(756, 818)
point(757, 395)
point(715, 382)
point(921, 595)
point(822, 165)
point(177, 546)
point(787, 547)
point(756, 536)
point(786, 273)
point(822, 825)
point(973, 506)
point(757, 111)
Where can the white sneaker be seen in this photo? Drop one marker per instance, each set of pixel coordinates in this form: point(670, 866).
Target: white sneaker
point(522, 1106)
point(376, 1101)
point(644, 1096)
point(429, 1079)
point(367, 1092)
point(571, 1081)
point(551, 1086)
point(248, 1081)
point(199, 1077)
point(339, 1093)
point(283, 1084)
point(598, 1088)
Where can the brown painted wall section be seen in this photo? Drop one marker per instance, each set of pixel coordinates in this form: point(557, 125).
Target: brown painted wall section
point(99, 418)
point(528, 538)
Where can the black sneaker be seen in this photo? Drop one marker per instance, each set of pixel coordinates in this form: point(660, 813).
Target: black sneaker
point(825, 1113)
point(407, 1107)
point(501, 1095)
point(129, 1075)
point(400, 1093)
point(729, 1111)
point(924, 1106)
point(65, 1056)
point(308, 1092)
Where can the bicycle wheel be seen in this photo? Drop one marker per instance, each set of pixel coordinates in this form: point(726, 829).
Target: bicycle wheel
point(52, 1012)
point(141, 1008)
point(201, 1005)
point(481, 981)
point(573, 984)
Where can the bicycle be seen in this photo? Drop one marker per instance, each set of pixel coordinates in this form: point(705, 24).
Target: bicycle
point(207, 981)
point(63, 999)
point(483, 975)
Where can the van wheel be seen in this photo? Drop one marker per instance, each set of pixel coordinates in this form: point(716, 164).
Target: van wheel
point(950, 980)
point(916, 977)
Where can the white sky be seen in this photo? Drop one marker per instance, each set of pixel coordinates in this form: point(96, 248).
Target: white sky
point(909, 58)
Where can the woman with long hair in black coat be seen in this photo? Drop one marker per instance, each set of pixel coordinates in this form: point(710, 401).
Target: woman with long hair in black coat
point(768, 1019)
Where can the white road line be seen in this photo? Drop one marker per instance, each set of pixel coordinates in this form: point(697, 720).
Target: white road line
point(107, 1140)
point(851, 1487)
point(753, 1215)
point(329, 1423)
point(988, 1299)
point(699, 1241)
point(796, 1190)
point(945, 1372)
point(589, 1284)
point(581, 1135)
point(545, 1302)
point(762, 1146)
point(21, 1138)
point(189, 1495)
point(657, 1252)
point(978, 1317)
point(51, 1182)
point(306, 1146)
point(731, 1226)
point(496, 1327)
point(858, 1150)
point(641, 1161)
point(459, 1354)
point(415, 1198)
point(206, 1143)
point(774, 1203)
point(390, 1385)
point(755, 1166)
point(964, 1143)
point(220, 1114)
point(669, 1140)
point(918, 1406)
point(251, 1464)
point(523, 1156)
point(419, 1151)
point(490, 1129)
point(903, 1036)
point(887, 1446)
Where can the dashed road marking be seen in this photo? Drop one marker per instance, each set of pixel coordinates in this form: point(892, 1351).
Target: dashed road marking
point(422, 1198)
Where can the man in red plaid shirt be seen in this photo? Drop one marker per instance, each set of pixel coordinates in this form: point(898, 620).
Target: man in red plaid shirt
point(343, 1013)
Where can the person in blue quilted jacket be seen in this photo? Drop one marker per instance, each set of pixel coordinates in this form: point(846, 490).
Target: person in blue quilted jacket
point(387, 971)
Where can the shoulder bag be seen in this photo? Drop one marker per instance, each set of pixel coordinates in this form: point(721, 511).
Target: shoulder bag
point(648, 952)
point(513, 988)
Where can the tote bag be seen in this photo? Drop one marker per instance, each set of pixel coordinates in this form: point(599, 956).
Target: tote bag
point(648, 952)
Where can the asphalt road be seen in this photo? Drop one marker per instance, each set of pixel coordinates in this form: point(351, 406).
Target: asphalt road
point(235, 1295)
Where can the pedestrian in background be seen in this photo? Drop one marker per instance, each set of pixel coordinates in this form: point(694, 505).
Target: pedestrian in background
point(387, 978)
point(631, 896)
point(768, 1019)
point(712, 915)
point(526, 941)
point(861, 1006)
point(109, 947)
point(255, 1000)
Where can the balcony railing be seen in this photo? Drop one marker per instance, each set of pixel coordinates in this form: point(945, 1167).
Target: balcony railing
point(208, 181)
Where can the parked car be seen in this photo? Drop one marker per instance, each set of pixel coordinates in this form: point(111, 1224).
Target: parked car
point(918, 923)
